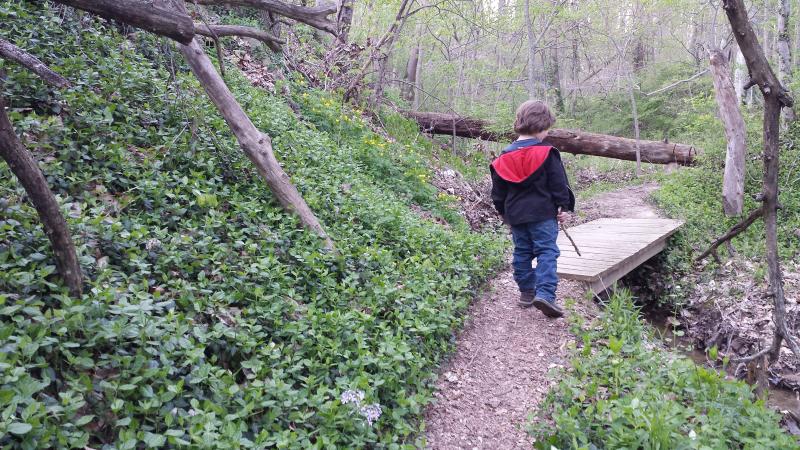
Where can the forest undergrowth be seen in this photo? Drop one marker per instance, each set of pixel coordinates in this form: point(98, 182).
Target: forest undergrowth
point(210, 318)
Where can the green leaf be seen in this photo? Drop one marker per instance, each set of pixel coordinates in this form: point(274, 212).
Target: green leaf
point(154, 440)
point(19, 428)
point(84, 420)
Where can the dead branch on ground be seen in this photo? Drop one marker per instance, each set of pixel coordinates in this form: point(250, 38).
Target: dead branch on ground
point(11, 52)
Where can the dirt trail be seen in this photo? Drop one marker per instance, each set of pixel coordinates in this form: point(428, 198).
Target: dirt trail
point(499, 372)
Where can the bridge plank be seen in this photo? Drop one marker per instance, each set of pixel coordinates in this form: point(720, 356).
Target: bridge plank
point(611, 248)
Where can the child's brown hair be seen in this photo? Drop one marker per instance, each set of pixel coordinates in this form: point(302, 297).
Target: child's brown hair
point(533, 117)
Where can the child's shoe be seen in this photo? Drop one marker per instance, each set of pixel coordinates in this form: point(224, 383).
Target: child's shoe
point(550, 309)
point(526, 299)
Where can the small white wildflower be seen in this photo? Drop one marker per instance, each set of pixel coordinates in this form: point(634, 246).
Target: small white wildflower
point(371, 412)
point(351, 396)
point(192, 412)
point(152, 243)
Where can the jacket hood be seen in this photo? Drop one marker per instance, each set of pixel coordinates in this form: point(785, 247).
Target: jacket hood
point(521, 160)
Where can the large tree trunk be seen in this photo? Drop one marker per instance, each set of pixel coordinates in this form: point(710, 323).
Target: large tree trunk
point(731, 116)
point(554, 73)
point(24, 167)
point(570, 141)
point(785, 52)
point(255, 144)
point(775, 97)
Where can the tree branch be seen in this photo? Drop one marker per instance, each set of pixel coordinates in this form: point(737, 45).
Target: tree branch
point(272, 42)
point(316, 17)
point(733, 232)
point(11, 52)
point(666, 88)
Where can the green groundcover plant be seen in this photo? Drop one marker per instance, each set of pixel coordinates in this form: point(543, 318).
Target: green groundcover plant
point(623, 391)
point(210, 318)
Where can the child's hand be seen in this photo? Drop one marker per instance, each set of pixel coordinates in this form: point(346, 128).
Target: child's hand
point(562, 216)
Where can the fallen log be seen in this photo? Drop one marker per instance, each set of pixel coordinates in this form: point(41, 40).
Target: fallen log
point(570, 141)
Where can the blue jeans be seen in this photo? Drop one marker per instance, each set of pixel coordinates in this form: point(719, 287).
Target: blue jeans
point(536, 240)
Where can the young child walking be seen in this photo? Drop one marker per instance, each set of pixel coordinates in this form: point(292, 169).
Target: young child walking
point(531, 192)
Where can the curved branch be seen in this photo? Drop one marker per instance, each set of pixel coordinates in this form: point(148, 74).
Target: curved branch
point(24, 167)
point(272, 42)
point(11, 52)
point(316, 17)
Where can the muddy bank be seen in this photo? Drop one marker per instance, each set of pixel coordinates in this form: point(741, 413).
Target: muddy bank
point(731, 308)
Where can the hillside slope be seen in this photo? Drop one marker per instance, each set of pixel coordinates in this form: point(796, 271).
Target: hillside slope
point(210, 317)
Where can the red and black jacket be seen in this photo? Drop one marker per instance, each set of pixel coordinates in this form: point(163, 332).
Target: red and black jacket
point(529, 183)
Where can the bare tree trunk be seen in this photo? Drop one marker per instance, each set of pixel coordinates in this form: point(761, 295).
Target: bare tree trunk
point(693, 39)
point(639, 55)
point(270, 22)
point(316, 17)
point(344, 19)
point(388, 39)
point(635, 112)
point(418, 79)
point(531, 51)
point(11, 52)
point(733, 181)
point(575, 65)
point(775, 97)
point(739, 76)
point(785, 52)
point(255, 144)
point(408, 90)
point(216, 31)
point(24, 167)
point(555, 78)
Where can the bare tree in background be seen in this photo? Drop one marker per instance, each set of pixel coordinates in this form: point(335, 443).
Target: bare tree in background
point(785, 52)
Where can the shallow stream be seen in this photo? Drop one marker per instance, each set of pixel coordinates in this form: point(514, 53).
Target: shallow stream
point(785, 401)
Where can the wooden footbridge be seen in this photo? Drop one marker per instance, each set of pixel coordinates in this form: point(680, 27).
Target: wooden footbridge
point(610, 248)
